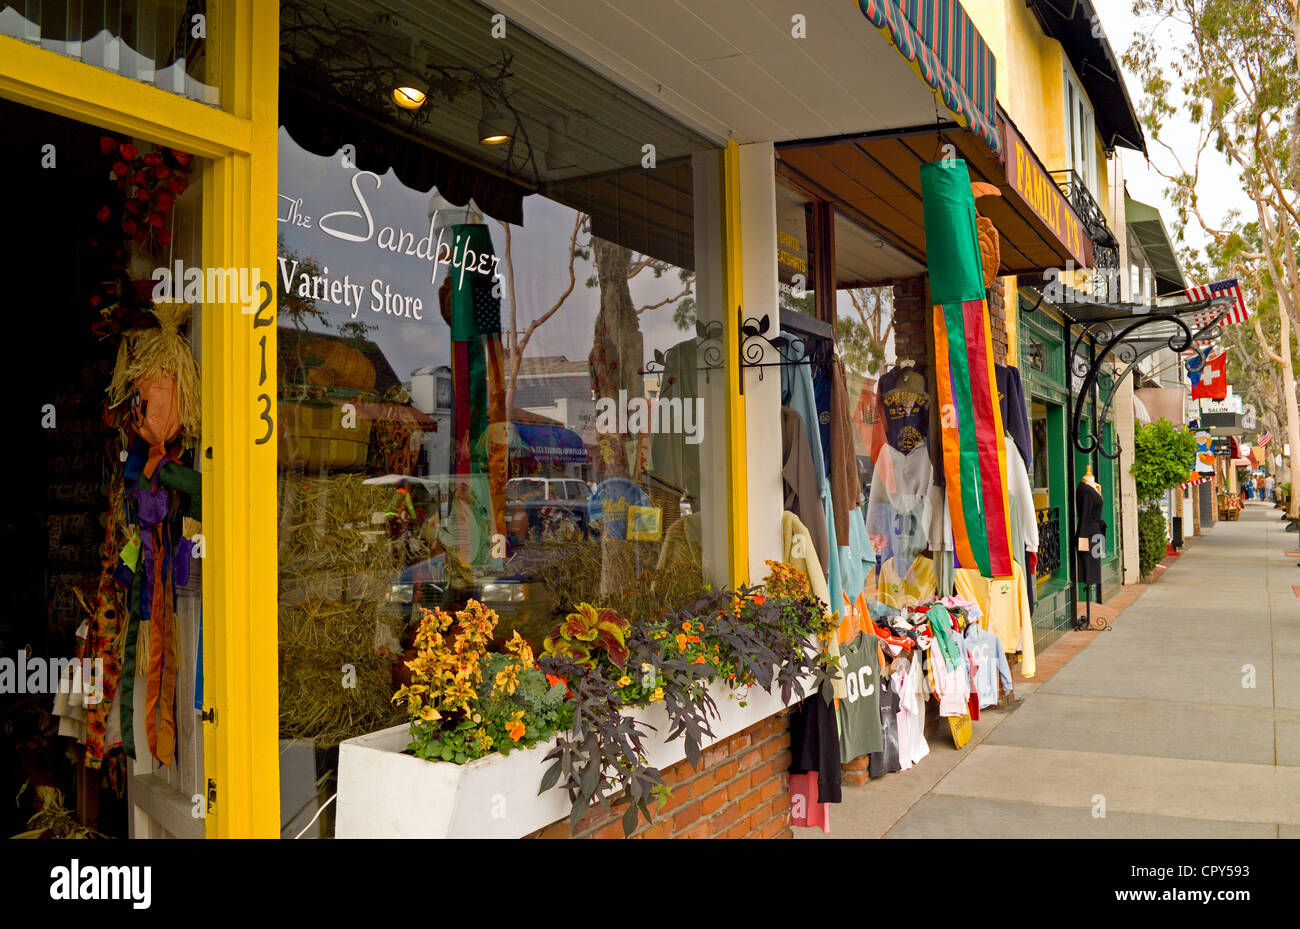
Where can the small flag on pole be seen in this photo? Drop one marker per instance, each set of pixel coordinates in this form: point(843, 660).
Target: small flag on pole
point(1265, 439)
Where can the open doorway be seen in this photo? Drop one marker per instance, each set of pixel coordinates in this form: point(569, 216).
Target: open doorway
point(103, 387)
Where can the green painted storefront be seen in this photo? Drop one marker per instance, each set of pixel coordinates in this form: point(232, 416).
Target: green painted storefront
point(1043, 371)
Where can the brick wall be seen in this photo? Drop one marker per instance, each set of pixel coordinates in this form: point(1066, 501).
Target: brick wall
point(911, 319)
point(741, 791)
point(998, 321)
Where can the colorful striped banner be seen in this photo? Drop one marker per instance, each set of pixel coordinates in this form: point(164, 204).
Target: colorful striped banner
point(974, 444)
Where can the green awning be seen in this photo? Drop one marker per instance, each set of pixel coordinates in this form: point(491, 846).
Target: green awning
point(1152, 238)
point(941, 43)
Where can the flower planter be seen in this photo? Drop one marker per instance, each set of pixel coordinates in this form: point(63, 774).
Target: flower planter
point(384, 793)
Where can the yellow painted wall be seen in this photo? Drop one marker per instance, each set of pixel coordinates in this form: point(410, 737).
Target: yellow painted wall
point(1031, 82)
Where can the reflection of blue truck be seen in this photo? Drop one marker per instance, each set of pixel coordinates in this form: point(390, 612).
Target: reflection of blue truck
point(546, 507)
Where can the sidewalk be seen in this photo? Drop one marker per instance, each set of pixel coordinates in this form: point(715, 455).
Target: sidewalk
point(1150, 730)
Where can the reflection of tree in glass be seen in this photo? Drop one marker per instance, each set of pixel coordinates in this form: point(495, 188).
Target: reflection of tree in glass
point(298, 310)
point(580, 248)
point(356, 332)
point(862, 341)
point(517, 344)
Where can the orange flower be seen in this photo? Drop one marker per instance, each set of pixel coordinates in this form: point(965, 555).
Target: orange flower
point(686, 626)
point(681, 642)
point(553, 680)
point(699, 660)
point(760, 599)
point(515, 729)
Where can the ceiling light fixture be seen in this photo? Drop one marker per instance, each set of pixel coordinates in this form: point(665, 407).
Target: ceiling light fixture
point(409, 97)
point(410, 89)
point(560, 151)
point(494, 127)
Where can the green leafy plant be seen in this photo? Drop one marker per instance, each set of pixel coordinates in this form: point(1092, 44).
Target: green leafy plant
point(464, 701)
point(1151, 539)
point(743, 638)
point(586, 633)
point(1163, 456)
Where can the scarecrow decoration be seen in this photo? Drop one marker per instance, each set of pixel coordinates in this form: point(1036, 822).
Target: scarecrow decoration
point(154, 398)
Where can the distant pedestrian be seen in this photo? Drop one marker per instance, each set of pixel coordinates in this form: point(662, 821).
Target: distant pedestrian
point(1268, 487)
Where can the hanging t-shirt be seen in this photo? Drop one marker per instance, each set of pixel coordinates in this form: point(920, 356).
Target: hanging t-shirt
point(908, 682)
point(902, 503)
point(990, 663)
point(814, 745)
point(1015, 414)
point(806, 808)
point(1005, 604)
point(951, 686)
point(859, 711)
point(887, 760)
point(905, 407)
point(917, 587)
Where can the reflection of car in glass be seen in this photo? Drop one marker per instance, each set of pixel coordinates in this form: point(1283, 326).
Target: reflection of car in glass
point(545, 508)
point(518, 594)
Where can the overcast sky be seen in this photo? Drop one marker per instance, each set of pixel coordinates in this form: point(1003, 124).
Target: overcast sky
point(1219, 190)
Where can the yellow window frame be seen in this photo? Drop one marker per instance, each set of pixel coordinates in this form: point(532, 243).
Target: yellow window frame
point(241, 747)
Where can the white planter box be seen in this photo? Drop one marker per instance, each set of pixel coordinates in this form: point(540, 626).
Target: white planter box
point(386, 794)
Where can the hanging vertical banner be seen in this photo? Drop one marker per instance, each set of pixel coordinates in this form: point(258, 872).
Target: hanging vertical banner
point(974, 447)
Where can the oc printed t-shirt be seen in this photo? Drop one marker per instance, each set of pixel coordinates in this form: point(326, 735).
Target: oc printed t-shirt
point(859, 712)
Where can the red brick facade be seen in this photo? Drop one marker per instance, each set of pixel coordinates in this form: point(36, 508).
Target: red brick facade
point(912, 319)
point(998, 321)
point(742, 791)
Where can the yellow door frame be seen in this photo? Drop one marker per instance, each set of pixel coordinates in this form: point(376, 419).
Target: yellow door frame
point(239, 145)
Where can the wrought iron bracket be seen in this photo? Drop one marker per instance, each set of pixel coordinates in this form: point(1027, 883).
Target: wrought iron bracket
point(1120, 345)
point(791, 350)
point(709, 351)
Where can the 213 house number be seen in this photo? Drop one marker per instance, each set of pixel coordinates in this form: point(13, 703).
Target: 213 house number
point(263, 398)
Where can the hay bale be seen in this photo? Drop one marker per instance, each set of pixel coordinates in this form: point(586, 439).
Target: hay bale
point(336, 565)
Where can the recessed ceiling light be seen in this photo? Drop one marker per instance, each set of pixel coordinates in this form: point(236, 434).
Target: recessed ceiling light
point(494, 127)
point(409, 98)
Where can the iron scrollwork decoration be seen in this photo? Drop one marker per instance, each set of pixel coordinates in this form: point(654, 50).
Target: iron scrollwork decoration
point(792, 350)
point(709, 352)
point(1119, 346)
point(1112, 345)
point(1049, 541)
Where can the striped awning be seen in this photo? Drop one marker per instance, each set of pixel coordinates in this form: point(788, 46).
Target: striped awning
point(941, 43)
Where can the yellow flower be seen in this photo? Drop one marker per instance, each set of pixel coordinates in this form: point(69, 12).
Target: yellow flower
point(657, 696)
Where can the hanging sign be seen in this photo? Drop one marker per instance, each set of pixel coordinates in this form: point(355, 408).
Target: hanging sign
point(1030, 180)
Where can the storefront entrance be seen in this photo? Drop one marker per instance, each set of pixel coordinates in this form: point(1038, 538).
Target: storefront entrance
point(140, 143)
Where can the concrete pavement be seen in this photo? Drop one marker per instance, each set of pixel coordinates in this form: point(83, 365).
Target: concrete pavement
point(1182, 722)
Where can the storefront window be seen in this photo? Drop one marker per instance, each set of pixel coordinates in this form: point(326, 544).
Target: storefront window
point(488, 389)
point(166, 43)
point(794, 253)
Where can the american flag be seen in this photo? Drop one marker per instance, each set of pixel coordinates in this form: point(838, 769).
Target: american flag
point(1236, 313)
point(1264, 439)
